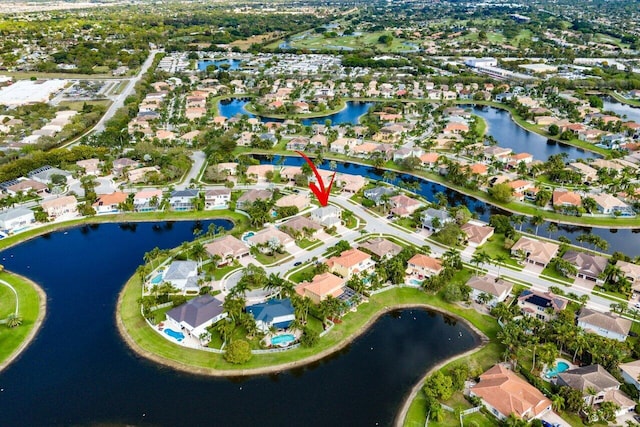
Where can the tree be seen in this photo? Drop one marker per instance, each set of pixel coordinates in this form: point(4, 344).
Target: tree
point(14, 320)
point(502, 192)
point(537, 221)
point(564, 267)
point(451, 258)
point(543, 197)
point(439, 386)
point(449, 234)
point(554, 130)
point(199, 252)
point(238, 352)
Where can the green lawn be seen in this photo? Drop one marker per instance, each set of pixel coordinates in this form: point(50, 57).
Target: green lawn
point(299, 276)
point(551, 272)
point(495, 247)
point(7, 301)
point(12, 338)
point(408, 223)
point(265, 259)
point(219, 272)
point(306, 243)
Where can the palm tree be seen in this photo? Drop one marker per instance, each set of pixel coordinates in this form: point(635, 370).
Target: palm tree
point(199, 252)
point(557, 402)
point(537, 220)
point(14, 320)
point(499, 260)
point(451, 258)
point(552, 228)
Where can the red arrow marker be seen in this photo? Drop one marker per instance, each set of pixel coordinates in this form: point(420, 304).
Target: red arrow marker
point(321, 193)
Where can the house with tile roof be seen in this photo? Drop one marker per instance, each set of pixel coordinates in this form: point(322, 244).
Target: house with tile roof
point(350, 262)
point(299, 226)
point(564, 198)
point(631, 272)
point(497, 289)
point(610, 205)
point(321, 286)
point(589, 266)
point(143, 200)
point(268, 235)
point(15, 219)
point(606, 325)
point(183, 275)
point(429, 214)
point(477, 234)
point(277, 313)
point(66, 205)
point(504, 393)
point(541, 305)
point(631, 373)
point(110, 203)
point(299, 200)
point(328, 216)
point(227, 248)
point(217, 198)
point(404, 206)
point(381, 248)
point(423, 266)
point(534, 251)
point(196, 315)
point(251, 196)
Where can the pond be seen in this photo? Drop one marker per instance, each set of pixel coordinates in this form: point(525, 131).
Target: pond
point(79, 372)
point(234, 64)
point(631, 112)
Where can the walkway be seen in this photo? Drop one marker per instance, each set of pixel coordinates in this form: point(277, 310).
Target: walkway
point(15, 293)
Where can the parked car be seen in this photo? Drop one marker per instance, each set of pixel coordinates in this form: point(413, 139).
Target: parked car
point(297, 263)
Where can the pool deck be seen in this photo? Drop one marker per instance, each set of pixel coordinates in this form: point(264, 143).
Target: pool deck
point(544, 372)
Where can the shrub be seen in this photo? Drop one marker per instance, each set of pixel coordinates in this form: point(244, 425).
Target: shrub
point(238, 352)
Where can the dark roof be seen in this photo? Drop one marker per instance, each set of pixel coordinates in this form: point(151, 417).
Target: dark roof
point(197, 311)
point(185, 193)
point(543, 300)
point(271, 309)
point(592, 376)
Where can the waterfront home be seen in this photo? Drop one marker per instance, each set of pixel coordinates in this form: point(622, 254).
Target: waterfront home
point(606, 325)
point(227, 249)
point(298, 143)
point(541, 305)
point(535, 252)
point(566, 198)
point(403, 153)
point(404, 206)
point(504, 393)
point(588, 173)
point(182, 275)
point(351, 183)
point(631, 272)
point(378, 194)
point(110, 203)
point(610, 205)
point(429, 160)
point(381, 248)
point(44, 174)
point(270, 236)
point(147, 200)
point(259, 172)
point(494, 152)
point(16, 219)
point(90, 166)
point(276, 313)
point(24, 185)
point(350, 262)
point(423, 266)
point(597, 386)
point(496, 289)
point(477, 234)
point(328, 216)
point(196, 315)
point(217, 198)
point(298, 200)
point(631, 373)
point(343, 145)
point(251, 196)
point(300, 226)
point(590, 267)
point(183, 200)
point(321, 286)
point(66, 205)
point(441, 217)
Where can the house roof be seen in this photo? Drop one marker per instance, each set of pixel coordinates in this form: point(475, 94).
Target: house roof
point(381, 247)
point(323, 284)
point(538, 250)
point(605, 321)
point(629, 269)
point(298, 223)
point(403, 201)
point(545, 300)
point(111, 199)
point(26, 185)
point(59, 202)
point(197, 311)
point(566, 197)
point(585, 377)
point(225, 246)
point(326, 211)
point(426, 261)
point(15, 213)
point(508, 393)
point(264, 236)
point(218, 192)
point(632, 369)
point(180, 270)
point(588, 264)
point(349, 258)
point(607, 201)
point(253, 195)
point(490, 285)
point(299, 200)
point(477, 233)
point(441, 214)
point(185, 193)
point(267, 311)
point(148, 194)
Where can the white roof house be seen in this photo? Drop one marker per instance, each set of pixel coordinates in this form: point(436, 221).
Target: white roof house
point(183, 275)
point(14, 219)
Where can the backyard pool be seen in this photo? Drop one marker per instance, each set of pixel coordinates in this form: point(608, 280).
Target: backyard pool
point(415, 282)
point(157, 279)
point(246, 236)
point(178, 336)
point(560, 368)
point(282, 339)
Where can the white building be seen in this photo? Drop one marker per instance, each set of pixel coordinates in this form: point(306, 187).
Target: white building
point(15, 219)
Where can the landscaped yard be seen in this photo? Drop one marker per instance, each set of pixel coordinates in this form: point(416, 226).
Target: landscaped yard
point(299, 276)
point(495, 247)
point(7, 302)
point(265, 259)
point(305, 243)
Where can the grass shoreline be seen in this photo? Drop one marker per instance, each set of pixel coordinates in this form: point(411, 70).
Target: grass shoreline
point(32, 312)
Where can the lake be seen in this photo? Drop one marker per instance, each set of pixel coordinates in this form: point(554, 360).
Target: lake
point(234, 64)
point(79, 372)
point(632, 113)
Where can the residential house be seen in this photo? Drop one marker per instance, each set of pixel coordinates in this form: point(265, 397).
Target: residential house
point(350, 262)
point(66, 205)
point(494, 152)
point(328, 216)
point(441, 217)
point(119, 165)
point(16, 219)
point(270, 235)
point(403, 153)
point(351, 183)
point(597, 386)
point(477, 234)
point(196, 315)
point(535, 252)
point(606, 325)
point(377, 194)
point(259, 172)
point(299, 226)
point(590, 267)
point(182, 275)
point(251, 196)
point(381, 248)
point(631, 273)
point(321, 287)
point(217, 198)
point(25, 186)
point(298, 143)
point(90, 166)
point(110, 203)
point(541, 305)
point(45, 173)
point(423, 266)
point(497, 289)
point(429, 160)
point(227, 249)
point(588, 173)
point(183, 200)
point(299, 200)
point(504, 393)
point(147, 200)
point(566, 198)
point(631, 373)
point(276, 313)
point(140, 174)
point(404, 206)
point(610, 205)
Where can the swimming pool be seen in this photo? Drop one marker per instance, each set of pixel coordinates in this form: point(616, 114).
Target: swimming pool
point(157, 279)
point(560, 368)
point(246, 236)
point(415, 282)
point(178, 336)
point(282, 339)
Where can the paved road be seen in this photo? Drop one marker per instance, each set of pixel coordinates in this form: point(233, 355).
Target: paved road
point(197, 161)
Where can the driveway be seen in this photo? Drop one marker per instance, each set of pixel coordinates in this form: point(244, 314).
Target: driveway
point(533, 268)
point(555, 419)
point(584, 283)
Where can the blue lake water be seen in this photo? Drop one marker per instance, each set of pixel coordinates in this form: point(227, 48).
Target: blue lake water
point(78, 371)
point(234, 64)
point(631, 113)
